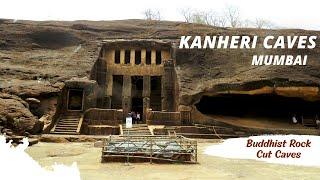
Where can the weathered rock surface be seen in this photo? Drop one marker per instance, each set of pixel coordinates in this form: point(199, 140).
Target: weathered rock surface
point(14, 114)
point(36, 57)
point(69, 49)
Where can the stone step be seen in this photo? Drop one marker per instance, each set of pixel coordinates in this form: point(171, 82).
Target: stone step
point(136, 129)
point(64, 122)
point(67, 125)
point(145, 132)
point(61, 127)
point(65, 130)
point(71, 115)
point(70, 118)
point(68, 122)
point(208, 136)
point(71, 133)
point(136, 125)
point(136, 133)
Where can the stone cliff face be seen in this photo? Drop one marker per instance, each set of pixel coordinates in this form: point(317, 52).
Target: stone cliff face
point(36, 57)
point(15, 114)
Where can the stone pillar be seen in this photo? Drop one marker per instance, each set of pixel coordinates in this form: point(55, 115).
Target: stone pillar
point(146, 95)
point(143, 56)
point(153, 57)
point(122, 52)
point(132, 57)
point(108, 92)
point(126, 95)
point(168, 87)
point(164, 106)
point(146, 106)
point(112, 60)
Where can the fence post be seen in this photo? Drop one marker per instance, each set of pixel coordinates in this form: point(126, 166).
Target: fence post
point(151, 150)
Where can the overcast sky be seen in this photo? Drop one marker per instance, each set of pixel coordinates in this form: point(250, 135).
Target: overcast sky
point(302, 14)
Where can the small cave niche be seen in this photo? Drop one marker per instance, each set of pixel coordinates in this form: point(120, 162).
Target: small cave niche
point(75, 99)
point(266, 106)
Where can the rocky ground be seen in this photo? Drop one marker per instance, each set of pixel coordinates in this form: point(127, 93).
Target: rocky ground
point(37, 57)
point(209, 167)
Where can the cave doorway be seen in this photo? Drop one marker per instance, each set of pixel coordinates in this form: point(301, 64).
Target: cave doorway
point(136, 94)
point(137, 106)
point(136, 86)
point(75, 99)
point(269, 107)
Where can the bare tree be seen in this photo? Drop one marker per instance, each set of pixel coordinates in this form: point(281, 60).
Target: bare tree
point(198, 17)
point(263, 24)
point(233, 16)
point(229, 17)
point(150, 14)
point(222, 21)
point(187, 14)
point(211, 18)
point(246, 23)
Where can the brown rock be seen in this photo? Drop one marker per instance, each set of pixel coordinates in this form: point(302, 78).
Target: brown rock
point(15, 115)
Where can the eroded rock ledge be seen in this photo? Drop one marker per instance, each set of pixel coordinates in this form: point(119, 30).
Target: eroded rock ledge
point(15, 114)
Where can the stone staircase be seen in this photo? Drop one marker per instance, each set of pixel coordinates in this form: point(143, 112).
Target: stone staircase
point(68, 124)
point(136, 130)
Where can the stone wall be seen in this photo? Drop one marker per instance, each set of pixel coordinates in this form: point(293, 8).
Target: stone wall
point(95, 116)
point(164, 118)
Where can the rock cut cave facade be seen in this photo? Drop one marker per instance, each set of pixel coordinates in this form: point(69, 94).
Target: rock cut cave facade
point(136, 75)
point(129, 75)
point(141, 75)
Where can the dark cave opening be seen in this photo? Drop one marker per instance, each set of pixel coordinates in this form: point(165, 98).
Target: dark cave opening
point(75, 99)
point(257, 106)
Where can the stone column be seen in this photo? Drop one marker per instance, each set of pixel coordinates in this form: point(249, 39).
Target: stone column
point(146, 96)
point(126, 95)
point(153, 57)
point(108, 92)
point(112, 60)
point(143, 56)
point(122, 52)
point(132, 57)
point(168, 87)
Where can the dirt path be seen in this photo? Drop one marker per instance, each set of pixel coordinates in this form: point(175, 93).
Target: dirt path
point(209, 167)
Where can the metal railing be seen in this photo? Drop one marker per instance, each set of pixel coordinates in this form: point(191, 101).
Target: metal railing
point(150, 148)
